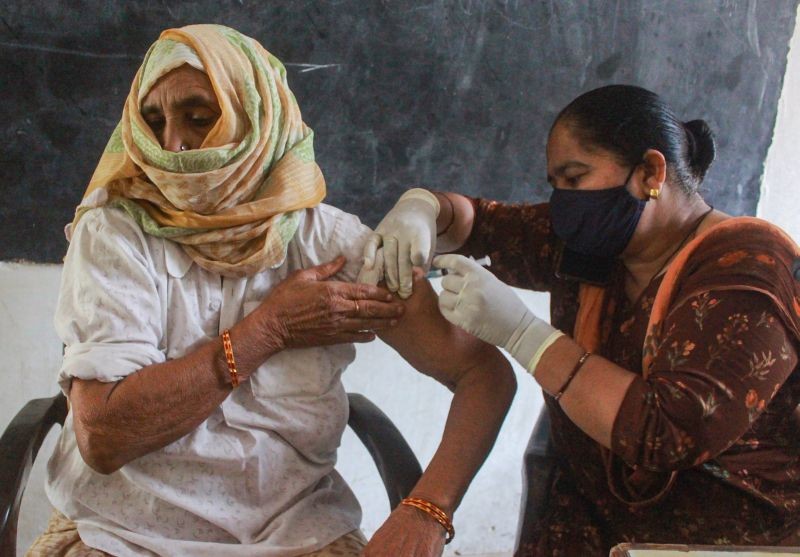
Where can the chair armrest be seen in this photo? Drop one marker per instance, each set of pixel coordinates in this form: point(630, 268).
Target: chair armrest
point(398, 467)
point(539, 466)
point(18, 447)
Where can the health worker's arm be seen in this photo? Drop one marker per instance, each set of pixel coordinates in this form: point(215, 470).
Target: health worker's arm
point(518, 238)
point(724, 356)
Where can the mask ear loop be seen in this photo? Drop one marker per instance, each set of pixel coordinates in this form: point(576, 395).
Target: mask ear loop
point(630, 174)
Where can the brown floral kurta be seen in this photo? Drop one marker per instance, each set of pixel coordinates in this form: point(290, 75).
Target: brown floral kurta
point(717, 411)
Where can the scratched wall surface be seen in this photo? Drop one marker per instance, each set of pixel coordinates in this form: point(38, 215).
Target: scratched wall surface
point(452, 94)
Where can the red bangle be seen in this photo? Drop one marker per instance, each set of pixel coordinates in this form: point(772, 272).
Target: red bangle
point(228, 347)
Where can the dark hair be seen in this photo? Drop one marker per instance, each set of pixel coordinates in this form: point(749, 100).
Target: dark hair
point(627, 121)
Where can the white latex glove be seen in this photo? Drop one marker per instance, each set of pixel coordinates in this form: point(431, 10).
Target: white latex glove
point(373, 274)
point(408, 236)
point(475, 300)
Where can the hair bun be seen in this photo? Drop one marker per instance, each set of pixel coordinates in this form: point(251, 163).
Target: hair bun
point(701, 147)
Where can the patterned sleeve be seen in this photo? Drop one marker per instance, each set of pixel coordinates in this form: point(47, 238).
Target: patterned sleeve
point(723, 357)
point(326, 233)
point(519, 240)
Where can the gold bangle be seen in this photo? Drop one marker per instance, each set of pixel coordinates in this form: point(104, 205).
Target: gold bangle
point(572, 375)
point(228, 346)
point(435, 512)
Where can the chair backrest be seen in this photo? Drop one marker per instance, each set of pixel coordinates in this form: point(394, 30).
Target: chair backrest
point(18, 448)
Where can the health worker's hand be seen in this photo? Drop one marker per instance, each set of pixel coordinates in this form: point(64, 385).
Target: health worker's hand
point(374, 274)
point(408, 236)
point(407, 532)
point(475, 300)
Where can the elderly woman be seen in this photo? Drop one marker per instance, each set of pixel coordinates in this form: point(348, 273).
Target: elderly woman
point(670, 374)
point(208, 308)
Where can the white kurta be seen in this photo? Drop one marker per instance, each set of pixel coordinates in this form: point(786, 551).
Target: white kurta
point(257, 476)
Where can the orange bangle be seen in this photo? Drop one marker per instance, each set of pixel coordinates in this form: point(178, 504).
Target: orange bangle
point(435, 512)
point(228, 346)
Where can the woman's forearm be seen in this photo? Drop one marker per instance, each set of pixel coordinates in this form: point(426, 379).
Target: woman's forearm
point(481, 379)
point(116, 423)
point(595, 394)
point(481, 400)
point(454, 223)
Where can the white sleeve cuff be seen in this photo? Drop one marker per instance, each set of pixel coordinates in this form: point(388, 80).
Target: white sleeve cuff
point(548, 342)
point(106, 362)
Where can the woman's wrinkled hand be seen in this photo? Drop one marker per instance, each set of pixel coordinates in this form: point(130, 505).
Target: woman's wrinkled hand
point(307, 309)
point(407, 532)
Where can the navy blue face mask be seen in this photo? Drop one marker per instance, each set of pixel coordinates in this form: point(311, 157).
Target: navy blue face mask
point(596, 227)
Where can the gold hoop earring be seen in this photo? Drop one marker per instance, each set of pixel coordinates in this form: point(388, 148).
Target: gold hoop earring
point(654, 193)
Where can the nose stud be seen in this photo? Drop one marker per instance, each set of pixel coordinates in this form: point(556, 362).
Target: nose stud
point(184, 147)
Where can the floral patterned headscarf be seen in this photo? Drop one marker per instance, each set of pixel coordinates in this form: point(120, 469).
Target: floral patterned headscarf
point(231, 204)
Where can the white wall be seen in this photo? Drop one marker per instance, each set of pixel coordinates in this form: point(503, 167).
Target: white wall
point(487, 519)
point(30, 353)
point(780, 186)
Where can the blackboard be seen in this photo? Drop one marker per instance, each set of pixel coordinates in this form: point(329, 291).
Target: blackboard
point(450, 94)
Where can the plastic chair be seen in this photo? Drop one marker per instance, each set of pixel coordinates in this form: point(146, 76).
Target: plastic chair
point(396, 463)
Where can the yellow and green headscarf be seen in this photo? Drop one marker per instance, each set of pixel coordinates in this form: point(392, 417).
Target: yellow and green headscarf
point(232, 204)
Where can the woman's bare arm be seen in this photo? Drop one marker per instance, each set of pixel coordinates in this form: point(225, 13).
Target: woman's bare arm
point(705, 388)
point(483, 384)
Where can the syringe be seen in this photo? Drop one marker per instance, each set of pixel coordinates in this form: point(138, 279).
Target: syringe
point(484, 261)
